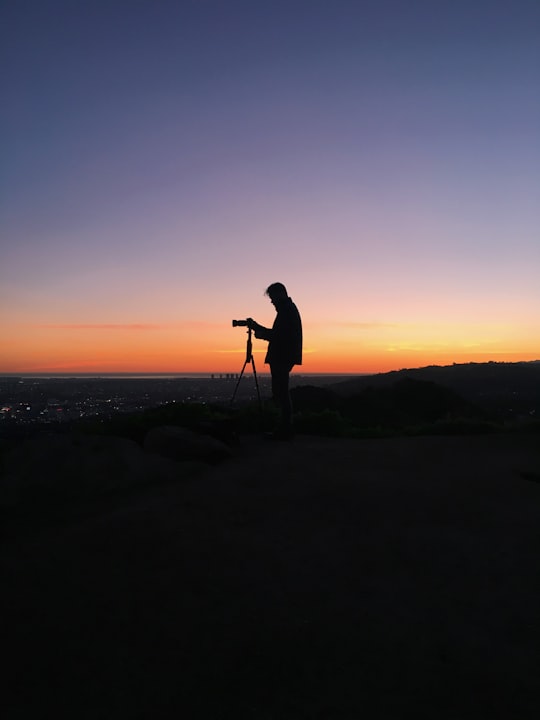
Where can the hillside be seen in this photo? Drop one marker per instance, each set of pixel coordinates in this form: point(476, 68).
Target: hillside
point(458, 399)
point(490, 384)
point(331, 579)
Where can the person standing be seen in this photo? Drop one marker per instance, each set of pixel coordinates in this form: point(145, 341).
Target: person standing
point(284, 351)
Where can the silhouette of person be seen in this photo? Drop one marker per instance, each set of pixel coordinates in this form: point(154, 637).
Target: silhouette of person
point(284, 351)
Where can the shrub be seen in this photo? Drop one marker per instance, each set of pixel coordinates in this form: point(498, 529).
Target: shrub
point(327, 422)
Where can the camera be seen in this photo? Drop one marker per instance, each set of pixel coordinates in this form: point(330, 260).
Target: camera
point(239, 323)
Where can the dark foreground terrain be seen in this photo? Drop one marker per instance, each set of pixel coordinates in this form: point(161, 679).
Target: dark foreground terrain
point(335, 579)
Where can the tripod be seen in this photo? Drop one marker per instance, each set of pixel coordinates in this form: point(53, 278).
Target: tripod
point(249, 358)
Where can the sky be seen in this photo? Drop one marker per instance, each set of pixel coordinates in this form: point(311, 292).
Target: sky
point(164, 161)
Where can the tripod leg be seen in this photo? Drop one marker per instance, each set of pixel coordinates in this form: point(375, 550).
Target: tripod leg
point(238, 382)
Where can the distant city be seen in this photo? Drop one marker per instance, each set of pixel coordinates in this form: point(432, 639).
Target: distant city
point(505, 391)
point(33, 400)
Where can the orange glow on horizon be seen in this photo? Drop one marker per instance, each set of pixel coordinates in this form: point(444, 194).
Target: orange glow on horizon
point(203, 347)
point(103, 361)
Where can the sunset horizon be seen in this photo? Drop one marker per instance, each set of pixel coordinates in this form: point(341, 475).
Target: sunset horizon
point(119, 368)
point(149, 348)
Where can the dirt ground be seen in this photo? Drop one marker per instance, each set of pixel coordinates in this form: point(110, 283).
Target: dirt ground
point(319, 579)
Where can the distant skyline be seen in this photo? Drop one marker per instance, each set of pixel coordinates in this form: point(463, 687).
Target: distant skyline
point(164, 162)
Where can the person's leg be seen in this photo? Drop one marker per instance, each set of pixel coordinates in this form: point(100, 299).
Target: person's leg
point(281, 395)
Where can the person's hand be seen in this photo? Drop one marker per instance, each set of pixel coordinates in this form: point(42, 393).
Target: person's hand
point(251, 323)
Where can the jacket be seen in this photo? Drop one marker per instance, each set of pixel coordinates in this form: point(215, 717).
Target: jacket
point(285, 335)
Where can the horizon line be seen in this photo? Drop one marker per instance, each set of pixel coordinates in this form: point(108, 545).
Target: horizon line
point(218, 373)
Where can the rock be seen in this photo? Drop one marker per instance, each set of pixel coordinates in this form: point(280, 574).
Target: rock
point(178, 443)
point(218, 429)
point(75, 466)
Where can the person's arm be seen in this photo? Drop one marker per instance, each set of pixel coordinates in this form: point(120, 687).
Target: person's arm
point(261, 332)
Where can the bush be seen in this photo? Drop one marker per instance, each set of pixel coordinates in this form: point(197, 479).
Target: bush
point(327, 422)
point(135, 425)
point(309, 398)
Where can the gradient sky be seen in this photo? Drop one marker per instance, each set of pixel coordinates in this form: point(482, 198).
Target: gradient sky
point(164, 161)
